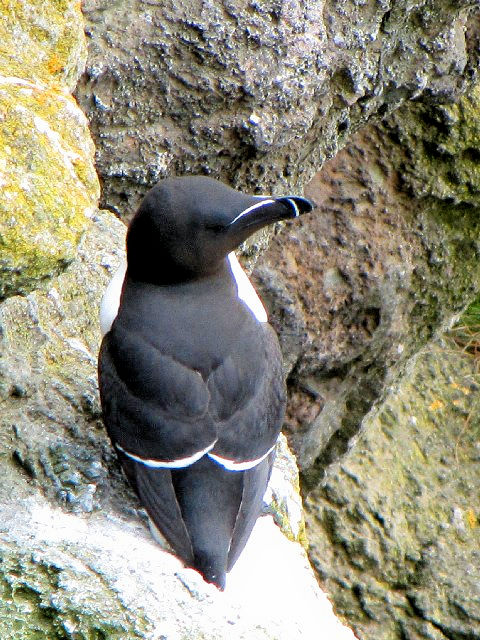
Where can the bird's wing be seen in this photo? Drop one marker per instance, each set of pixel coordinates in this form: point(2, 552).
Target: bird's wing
point(255, 483)
point(205, 512)
point(157, 494)
point(248, 400)
point(154, 408)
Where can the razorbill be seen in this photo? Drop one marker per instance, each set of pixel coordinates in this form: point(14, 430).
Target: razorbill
point(190, 371)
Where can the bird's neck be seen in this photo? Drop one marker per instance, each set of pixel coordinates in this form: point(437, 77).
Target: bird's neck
point(220, 278)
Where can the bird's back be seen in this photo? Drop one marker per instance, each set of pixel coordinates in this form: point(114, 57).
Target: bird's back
point(187, 369)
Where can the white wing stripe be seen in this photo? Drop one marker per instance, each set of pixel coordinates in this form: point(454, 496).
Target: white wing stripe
point(168, 464)
point(233, 465)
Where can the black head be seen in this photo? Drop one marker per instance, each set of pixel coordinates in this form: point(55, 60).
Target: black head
point(185, 227)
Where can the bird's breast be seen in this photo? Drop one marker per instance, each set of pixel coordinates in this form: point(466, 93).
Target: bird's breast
point(198, 325)
point(245, 292)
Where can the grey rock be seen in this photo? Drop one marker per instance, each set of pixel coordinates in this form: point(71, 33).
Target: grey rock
point(105, 577)
point(394, 527)
point(389, 259)
point(389, 466)
point(78, 560)
point(259, 94)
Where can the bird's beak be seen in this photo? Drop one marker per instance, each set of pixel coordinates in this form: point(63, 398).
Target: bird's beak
point(263, 211)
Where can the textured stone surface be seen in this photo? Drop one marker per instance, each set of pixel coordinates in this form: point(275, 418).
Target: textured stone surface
point(449, 136)
point(395, 527)
point(390, 257)
point(42, 41)
point(77, 558)
point(48, 182)
point(256, 94)
point(105, 578)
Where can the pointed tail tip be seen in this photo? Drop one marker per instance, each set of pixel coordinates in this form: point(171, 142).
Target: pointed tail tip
point(212, 574)
point(219, 579)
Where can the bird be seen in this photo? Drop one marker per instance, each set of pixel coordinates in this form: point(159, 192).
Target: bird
point(190, 371)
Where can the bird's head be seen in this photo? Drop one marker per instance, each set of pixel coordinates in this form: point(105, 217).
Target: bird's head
point(185, 227)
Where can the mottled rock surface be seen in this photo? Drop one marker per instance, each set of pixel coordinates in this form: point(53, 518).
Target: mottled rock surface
point(105, 578)
point(258, 94)
point(78, 560)
point(42, 41)
point(395, 528)
point(389, 258)
point(48, 184)
point(388, 261)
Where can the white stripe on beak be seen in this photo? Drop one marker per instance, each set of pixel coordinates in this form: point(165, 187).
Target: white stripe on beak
point(251, 208)
point(294, 205)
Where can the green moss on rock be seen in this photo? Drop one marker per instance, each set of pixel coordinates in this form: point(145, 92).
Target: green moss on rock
point(444, 148)
point(36, 599)
point(283, 496)
point(42, 41)
point(394, 529)
point(48, 183)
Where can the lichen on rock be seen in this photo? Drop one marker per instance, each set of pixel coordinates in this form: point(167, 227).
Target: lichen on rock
point(48, 184)
point(395, 526)
point(444, 143)
point(42, 41)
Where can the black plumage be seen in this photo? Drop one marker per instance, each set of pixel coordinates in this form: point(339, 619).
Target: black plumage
point(190, 381)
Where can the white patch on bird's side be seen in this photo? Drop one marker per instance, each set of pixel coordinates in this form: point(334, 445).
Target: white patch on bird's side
point(257, 205)
point(246, 290)
point(233, 465)
point(111, 298)
point(168, 464)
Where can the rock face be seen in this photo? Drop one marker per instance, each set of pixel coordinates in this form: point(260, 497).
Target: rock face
point(43, 42)
point(388, 259)
point(77, 558)
point(356, 290)
point(48, 182)
point(395, 527)
point(258, 95)
point(108, 579)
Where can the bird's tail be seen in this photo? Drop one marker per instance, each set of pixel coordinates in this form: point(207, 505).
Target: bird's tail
point(209, 498)
point(205, 512)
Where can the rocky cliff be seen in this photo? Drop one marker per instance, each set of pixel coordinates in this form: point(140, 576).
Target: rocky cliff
point(76, 557)
point(257, 94)
point(382, 418)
